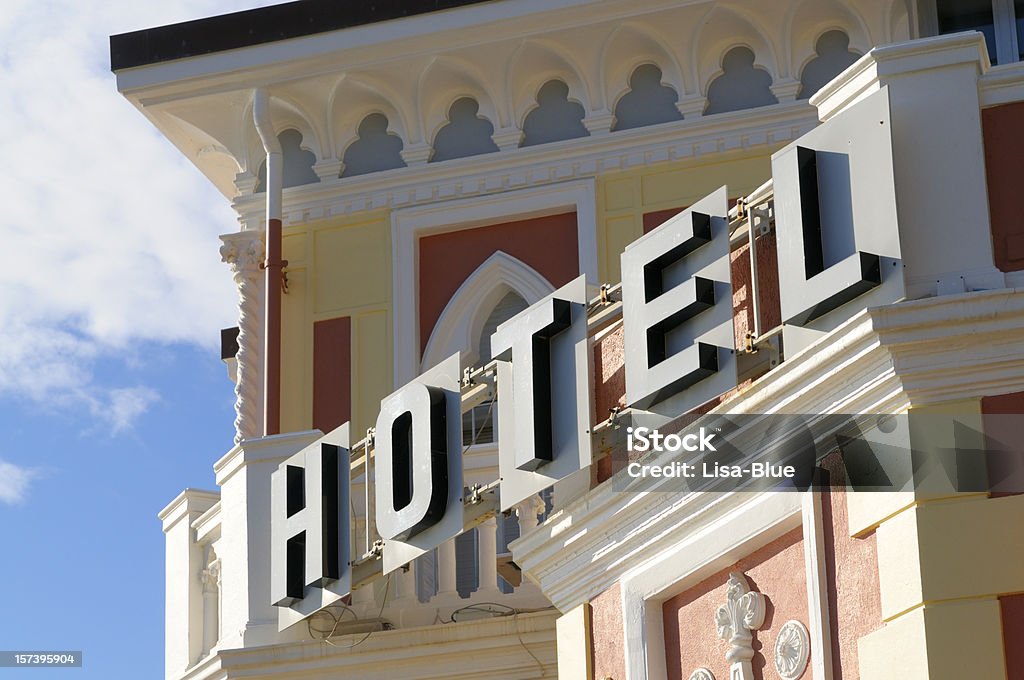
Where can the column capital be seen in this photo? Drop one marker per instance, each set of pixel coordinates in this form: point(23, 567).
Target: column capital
point(244, 251)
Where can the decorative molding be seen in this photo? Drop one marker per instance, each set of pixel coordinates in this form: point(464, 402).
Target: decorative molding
point(736, 620)
point(816, 570)
point(211, 575)
point(244, 253)
point(792, 650)
point(1002, 85)
point(584, 158)
point(500, 55)
point(528, 511)
point(702, 674)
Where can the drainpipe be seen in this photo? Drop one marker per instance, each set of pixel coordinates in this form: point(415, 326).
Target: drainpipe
point(274, 265)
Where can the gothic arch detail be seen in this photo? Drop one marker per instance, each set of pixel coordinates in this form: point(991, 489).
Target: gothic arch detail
point(460, 324)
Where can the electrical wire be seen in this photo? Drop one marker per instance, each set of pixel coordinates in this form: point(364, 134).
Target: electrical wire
point(337, 621)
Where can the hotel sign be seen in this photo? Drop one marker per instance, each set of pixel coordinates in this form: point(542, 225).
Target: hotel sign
point(838, 243)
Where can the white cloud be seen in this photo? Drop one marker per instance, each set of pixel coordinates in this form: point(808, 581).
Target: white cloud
point(109, 235)
point(14, 482)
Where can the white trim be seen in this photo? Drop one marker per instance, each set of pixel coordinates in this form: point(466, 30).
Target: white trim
point(460, 324)
point(410, 224)
point(817, 587)
point(754, 524)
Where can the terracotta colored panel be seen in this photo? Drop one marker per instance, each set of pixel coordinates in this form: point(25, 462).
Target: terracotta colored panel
point(548, 244)
point(1011, 609)
point(609, 658)
point(854, 597)
point(1004, 150)
point(691, 640)
point(767, 291)
point(332, 373)
point(1006, 431)
point(658, 217)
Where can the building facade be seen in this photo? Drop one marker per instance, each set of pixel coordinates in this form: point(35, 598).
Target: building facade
point(408, 178)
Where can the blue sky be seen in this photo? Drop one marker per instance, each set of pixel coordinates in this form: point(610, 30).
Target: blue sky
point(112, 293)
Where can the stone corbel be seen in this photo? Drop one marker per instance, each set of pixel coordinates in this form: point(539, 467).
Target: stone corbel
point(786, 89)
point(508, 138)
point(246, 183)
point(599, 122)
point(417, 154)
point(328, 169)
point(692, 106)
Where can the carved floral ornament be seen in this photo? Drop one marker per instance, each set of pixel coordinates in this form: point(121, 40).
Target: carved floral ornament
point(792, 650)
point(736, 620)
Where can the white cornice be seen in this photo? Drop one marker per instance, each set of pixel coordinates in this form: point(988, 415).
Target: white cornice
point(883, 360)
point(1003, 85)
point(188, 501)
point(261, 450)
point(508, 648)
point(862, 77)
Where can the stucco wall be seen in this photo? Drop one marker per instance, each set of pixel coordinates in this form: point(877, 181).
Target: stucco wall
point(691, 638)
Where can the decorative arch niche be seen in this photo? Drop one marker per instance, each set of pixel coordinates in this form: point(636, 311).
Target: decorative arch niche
point(461, 323)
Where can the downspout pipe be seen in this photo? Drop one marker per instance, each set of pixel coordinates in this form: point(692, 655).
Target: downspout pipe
point(274, 265)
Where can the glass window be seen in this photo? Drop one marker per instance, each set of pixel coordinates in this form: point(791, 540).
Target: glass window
point(968, 15)
point(1018, 6)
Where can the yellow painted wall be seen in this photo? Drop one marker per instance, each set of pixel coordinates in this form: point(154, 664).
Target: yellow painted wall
point(623, 197)
point(944, 558)
point(337, 267)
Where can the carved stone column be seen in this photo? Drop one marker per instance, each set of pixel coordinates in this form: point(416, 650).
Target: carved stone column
point(446, 575)
point(487, 547)
point(244, 252)
point(211, 602)
point(736, 620)
point(528, 512)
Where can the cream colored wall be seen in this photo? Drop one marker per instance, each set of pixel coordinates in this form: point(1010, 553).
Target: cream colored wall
point(623, 197)
point(337, 267)
point(943, 560)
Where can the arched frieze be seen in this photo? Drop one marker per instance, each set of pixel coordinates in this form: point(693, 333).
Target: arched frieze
point(630, 46)
point(534, 64)
point(355, 96)
point(375, 148)
point(466, 132)
point(649, 101)
point(741, 85)
point(555, 117)
point(832, 56)
point(808, 20)
point(721, 30)
point(297, 162)
point(446, 80)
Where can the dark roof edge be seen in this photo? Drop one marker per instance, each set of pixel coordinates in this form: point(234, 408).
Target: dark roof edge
point(259, 26)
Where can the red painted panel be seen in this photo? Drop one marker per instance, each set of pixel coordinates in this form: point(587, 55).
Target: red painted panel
point(658, 217)
point(1004, 150)
point(548, 244)
point(1011, 609)
point(332, 373)
point(691, 640)
point(1004, 433)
